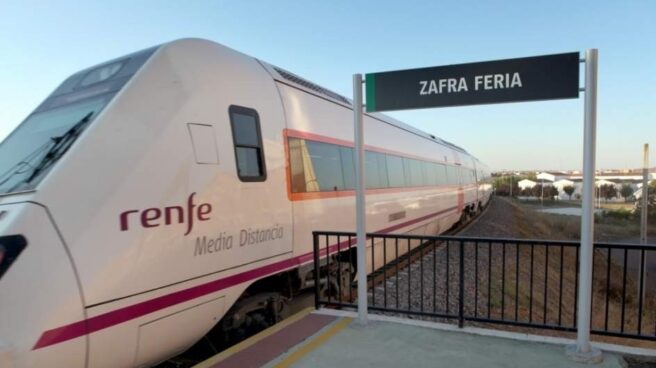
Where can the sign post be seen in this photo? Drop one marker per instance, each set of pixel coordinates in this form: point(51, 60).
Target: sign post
point(360, 199)
point(583, 351)
point(534, 78)
point(645, 194)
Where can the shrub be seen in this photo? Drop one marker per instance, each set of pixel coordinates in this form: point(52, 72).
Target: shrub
point(620, 214)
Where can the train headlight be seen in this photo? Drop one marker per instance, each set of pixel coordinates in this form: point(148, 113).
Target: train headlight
point(10, 248)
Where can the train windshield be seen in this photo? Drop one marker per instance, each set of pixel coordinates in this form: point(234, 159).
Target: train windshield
point(40, 138)
point(29, 152)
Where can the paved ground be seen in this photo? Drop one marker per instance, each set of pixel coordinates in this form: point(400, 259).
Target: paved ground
point(387, 344)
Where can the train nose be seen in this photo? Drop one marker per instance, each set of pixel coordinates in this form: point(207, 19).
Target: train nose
point(38, 291)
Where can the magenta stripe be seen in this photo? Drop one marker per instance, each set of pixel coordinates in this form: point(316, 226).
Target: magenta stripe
point(102, 321)
point(121, 315)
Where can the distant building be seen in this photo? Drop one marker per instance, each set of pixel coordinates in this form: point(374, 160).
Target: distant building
point(545, 176)
point(551, 176)
point(523, 184)
point(617, 178)
point(601, 182)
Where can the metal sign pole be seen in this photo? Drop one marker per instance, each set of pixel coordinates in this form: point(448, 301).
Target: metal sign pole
point(643, 214)
point(359, 199)
point(583, 351)
point(645, 194)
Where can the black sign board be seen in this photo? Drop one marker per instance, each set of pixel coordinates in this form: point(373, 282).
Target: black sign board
point(525, 79)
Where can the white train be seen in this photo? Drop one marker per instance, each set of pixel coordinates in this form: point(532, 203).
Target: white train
point(155, 195)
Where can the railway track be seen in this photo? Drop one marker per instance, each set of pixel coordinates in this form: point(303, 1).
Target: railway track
point(415, 255)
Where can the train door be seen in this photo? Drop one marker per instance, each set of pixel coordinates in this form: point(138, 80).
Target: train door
point(264, 230)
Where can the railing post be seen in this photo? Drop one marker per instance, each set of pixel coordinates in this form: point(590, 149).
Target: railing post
point(461, 281)
point(317, 265)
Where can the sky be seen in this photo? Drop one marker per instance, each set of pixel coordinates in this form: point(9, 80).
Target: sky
point(43, 42)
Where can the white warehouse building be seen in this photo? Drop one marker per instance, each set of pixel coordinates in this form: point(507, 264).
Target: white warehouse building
point(561, 180)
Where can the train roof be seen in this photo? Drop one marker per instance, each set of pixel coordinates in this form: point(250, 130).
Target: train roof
point(290, 78)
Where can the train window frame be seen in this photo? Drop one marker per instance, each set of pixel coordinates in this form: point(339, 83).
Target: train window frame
point(246, 111)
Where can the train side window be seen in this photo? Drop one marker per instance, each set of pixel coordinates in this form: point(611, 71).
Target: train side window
point(326, 165)
point(440, 171)
point(371, 170)
point(430, 173)
point(247, 139)
point(451, 177)
point(382, 170)
point(414, 173)
point(406, 171)
point(395, 173)
point(348, 167)
point(297, 151)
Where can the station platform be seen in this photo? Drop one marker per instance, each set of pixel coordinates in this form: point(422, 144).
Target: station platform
point(328, 338)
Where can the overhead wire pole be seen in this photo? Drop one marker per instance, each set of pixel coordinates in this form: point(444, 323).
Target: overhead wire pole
point(645, 195)
point(583, 351)
point(359, 198)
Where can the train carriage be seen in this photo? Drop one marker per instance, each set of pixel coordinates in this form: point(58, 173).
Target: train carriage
point(155, 196)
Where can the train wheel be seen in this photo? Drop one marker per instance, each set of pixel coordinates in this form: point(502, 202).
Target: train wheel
point(338, 283)
point(254, 314)
point(346, 274)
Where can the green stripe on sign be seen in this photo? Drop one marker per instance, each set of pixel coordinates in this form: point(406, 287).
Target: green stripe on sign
point(370, 82)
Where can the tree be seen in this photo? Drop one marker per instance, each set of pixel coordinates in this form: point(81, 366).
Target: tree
point(608, 191)
point(569, 190)
point(536, 191)
point(626, 191)
point(502, 185)
point(552, 192)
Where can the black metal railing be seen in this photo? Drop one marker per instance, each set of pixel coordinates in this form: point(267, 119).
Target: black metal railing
point(526, 283)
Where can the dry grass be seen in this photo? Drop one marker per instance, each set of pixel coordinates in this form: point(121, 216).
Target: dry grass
point(518, 296)
point(530, 223)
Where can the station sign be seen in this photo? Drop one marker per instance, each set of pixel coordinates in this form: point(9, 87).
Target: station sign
point(534, 78)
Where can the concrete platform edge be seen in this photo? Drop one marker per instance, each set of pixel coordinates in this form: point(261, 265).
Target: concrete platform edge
point(311, 343)
point(613, 348)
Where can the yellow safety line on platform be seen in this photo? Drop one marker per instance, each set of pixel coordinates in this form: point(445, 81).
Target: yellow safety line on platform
point(314, 343)
point(254, 339)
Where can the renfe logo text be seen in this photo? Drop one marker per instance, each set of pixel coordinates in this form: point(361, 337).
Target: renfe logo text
point(154, 217)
